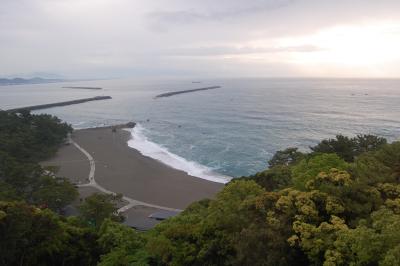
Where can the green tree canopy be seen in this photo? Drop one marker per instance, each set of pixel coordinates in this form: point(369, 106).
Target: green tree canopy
point(307, 169)
point(98, 207)
point(349, 148)
point(286, 157)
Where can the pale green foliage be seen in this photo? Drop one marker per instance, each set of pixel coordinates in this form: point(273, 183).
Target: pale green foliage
point(307, 169)
point(371, 242)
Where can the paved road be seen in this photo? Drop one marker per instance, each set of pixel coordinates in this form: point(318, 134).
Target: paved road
point(92, 183)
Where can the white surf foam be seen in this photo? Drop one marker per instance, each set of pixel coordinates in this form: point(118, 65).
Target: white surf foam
point(140, 142)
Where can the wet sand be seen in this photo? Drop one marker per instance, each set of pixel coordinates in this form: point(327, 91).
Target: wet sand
point(122, 169)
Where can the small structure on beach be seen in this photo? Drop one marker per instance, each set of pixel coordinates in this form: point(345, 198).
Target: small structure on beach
point(127, 125)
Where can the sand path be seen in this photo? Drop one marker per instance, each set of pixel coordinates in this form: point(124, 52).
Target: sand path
point(92, 183)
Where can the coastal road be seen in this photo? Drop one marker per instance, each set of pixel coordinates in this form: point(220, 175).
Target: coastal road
point(93, 183)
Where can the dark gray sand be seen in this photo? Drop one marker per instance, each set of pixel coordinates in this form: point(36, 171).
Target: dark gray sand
point(71, 163)
point(122, 169)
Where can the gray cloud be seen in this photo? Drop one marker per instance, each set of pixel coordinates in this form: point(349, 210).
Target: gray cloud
point(230, 50)
point(161, 20)
point(96, 38)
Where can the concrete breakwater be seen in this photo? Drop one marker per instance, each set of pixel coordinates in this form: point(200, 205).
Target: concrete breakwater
point(172, 93)
point(82, 88)
point(50, 105)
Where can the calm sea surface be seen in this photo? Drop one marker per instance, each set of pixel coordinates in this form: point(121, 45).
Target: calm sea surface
point(233, 130)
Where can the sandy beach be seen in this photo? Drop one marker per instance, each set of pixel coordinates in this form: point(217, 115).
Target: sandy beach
point(122, 169)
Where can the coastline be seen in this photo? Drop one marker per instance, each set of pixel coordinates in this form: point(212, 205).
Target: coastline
point(139, 142)
point(122, 169)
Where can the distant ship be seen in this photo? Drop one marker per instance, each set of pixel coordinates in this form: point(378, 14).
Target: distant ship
point(196, 81)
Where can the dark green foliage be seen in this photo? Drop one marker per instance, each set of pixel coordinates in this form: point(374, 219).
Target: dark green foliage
point(31, 138)
point(28, 234)
point(122, 245)
point(31, 236)
point(339, 205)
point(367, 143)
point(19, 175)
point(349, 148)
point(25, 140)
point(286, 157)
point(7, 192)
point(53, 192)
point(343, 146)
point(274, 178)
point(389, 156)
point(98, 207)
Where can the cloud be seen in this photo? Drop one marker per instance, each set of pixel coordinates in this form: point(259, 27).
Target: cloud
point(161, 20)
point(231, 50)
point(95, 38)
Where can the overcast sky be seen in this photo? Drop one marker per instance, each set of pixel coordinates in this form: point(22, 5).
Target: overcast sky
point(200, 38)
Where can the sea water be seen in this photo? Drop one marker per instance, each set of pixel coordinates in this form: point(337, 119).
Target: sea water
point(227, 132)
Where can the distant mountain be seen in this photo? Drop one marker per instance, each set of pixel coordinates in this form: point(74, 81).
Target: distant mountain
point(44, 75)
point(20, 81)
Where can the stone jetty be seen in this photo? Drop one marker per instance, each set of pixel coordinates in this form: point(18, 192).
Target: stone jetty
point(172, 93)
point(50, 105)
point(83, 88)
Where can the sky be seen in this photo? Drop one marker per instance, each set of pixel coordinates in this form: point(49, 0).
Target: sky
point(202, 38)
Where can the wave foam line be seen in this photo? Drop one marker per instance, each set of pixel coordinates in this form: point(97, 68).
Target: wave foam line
point(140, 142)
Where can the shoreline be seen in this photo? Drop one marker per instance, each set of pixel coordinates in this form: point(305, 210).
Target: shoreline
point(139, 142)
point(122, 169)
point(207, 173)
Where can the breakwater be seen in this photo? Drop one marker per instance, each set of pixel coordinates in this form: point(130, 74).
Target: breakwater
point(172, 93)
point(50, 105)
point(83, 88)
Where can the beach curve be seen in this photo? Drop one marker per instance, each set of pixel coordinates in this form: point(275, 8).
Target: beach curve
point(114, 167)
point(93, 183)
point(141, 143)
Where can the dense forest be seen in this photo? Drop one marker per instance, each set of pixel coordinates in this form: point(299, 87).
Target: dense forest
point(339, 204)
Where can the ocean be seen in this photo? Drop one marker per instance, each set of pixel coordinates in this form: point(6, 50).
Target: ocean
point(227, 132)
